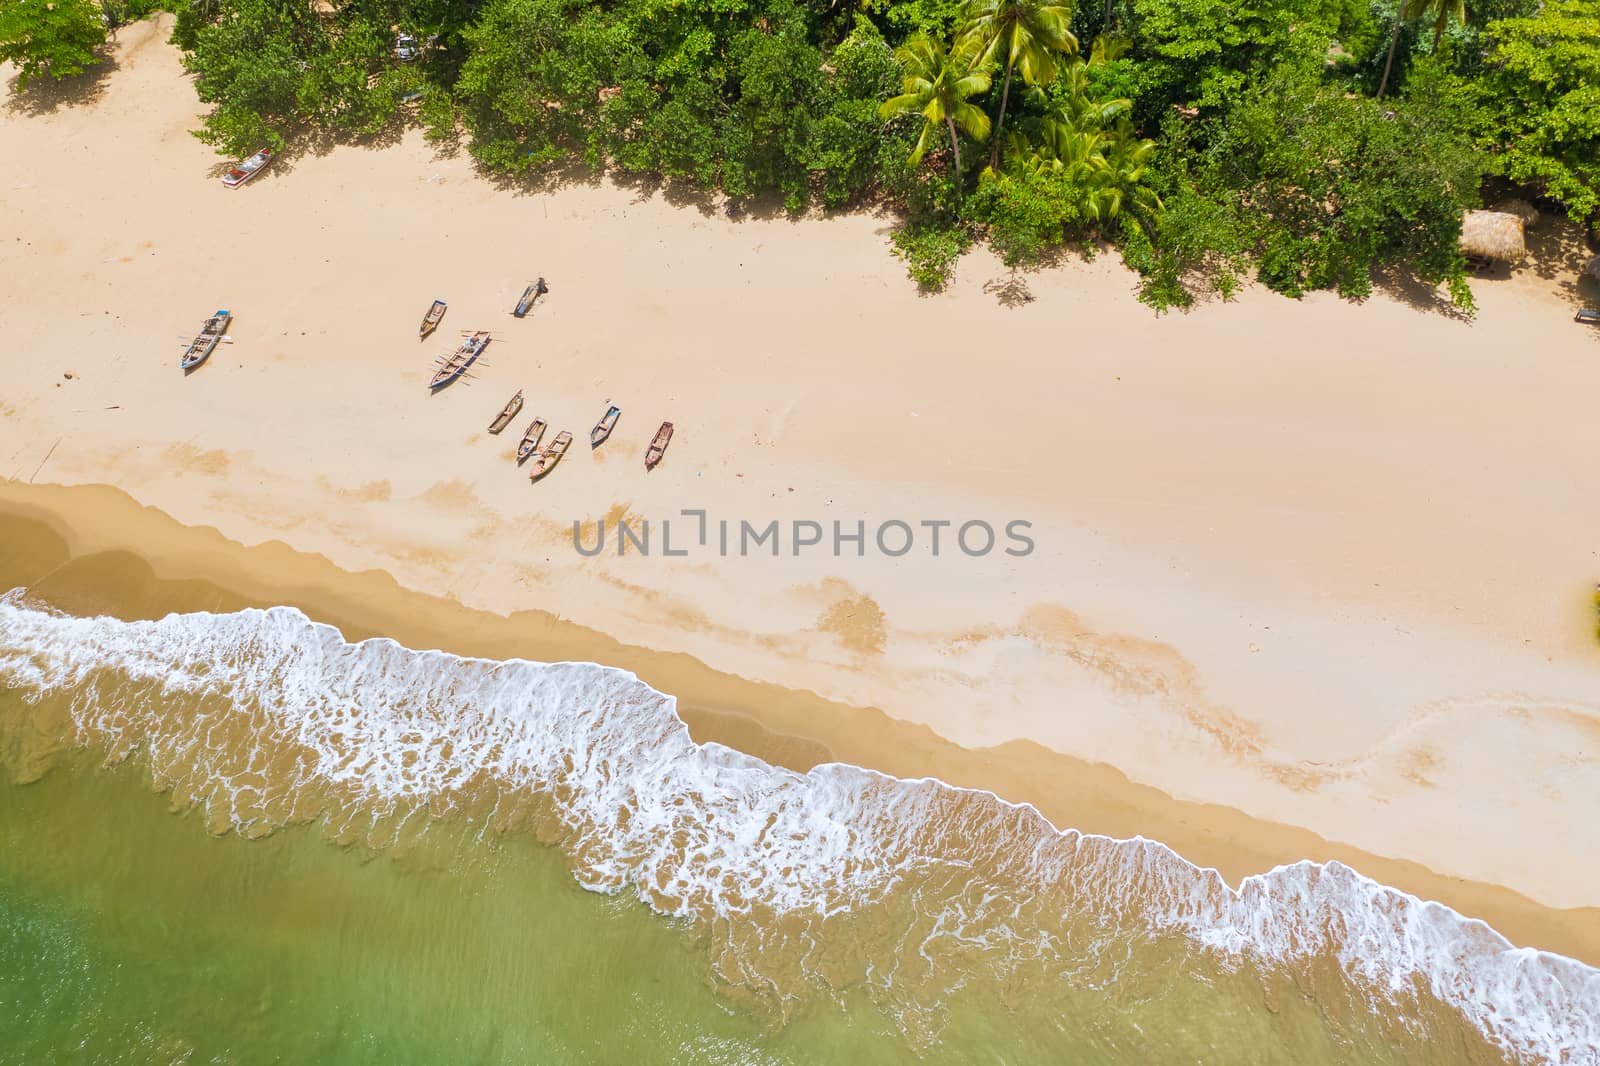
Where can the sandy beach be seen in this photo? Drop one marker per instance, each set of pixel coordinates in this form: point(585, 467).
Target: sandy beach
point(1311, 579)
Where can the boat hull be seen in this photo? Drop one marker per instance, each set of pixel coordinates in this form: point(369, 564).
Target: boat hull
point(431, 320)
point(548, 458)
point(195, 356)
point(530, 297)
point(658, 447)
point(529, 445)
point(523, 304)
point(458, 364)
point(206, 341)
point(503, 419)
point(602, 429)
point(248, 169)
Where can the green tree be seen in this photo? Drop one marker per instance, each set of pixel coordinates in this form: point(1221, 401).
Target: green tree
point(1543, 87)
point(56, 38)
point(1025, 36)
point(939, 85)
point(1076, 165)
point(252, 63)
point(1339, 186)
point(1206, 52)
point(1441, 10)
point(781, 91)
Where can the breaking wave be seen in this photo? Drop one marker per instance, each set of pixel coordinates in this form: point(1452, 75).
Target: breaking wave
point(265, 718)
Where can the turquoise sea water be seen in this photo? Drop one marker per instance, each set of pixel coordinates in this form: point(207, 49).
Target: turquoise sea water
point(304, 850)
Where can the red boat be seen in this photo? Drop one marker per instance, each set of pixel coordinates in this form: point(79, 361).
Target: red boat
point(658, 446)
point(248, 169)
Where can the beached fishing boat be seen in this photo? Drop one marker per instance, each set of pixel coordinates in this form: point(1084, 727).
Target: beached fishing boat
point(247, 169)
point(507, 413)
point(456, 363)
point(206, 341)
point(431, 320)
point(658, 447)
point(546, 460)
point(602, 429)
point(530, 440)
point(530, 296)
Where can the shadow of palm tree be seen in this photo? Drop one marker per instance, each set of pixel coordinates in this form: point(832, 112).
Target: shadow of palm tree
point(1010, 291)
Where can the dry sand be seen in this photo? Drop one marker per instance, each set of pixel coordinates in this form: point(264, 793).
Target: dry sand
point(1321, 564)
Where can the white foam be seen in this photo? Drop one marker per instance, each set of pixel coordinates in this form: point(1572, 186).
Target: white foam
point(703, 831)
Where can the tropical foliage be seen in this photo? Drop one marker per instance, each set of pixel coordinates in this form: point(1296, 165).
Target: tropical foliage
point(1541, 90)
point(939, 86)
point(1308, 144)
point(49, 38)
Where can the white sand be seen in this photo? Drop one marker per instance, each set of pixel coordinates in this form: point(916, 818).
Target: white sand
point(1328, 564)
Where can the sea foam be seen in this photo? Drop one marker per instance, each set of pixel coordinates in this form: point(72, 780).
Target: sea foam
point(266, 718)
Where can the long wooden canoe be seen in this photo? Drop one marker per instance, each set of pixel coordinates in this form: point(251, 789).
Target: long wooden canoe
point(546, 460)
point(530, 297)
point(530, 440)
point(431, 320)
point(205, 342)
point(507, 413)
point(602, 429)
point(658, 447)
point(456, 364)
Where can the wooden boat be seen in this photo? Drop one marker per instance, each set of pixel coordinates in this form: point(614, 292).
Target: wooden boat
point(602, 429)
point(658, 447)
point(507, 413)
point(530, 296)
point(431, 320)
point(530, 440)
point(456, 364)
point(247, 169)
point(1588, 315)
point(546, 460)
point(206, 341)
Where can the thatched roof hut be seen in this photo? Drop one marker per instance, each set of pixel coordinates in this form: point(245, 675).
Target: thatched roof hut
point(1522, 209)
point(1492, 235)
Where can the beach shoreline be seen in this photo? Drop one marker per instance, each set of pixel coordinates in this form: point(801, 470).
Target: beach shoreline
point(1312, 580)
point(92, 549)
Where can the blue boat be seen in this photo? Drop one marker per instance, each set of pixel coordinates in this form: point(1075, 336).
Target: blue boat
point(206, 341)
point(530, 296)
point(456, 364)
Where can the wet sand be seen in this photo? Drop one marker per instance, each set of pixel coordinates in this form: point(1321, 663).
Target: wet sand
point(158, 567)
point(1324, 564)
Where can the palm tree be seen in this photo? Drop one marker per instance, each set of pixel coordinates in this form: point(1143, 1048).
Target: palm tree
point(1076, 107)
point(1410, 9)
point(1123, 178)
point(1028, 33)
point(938, 85)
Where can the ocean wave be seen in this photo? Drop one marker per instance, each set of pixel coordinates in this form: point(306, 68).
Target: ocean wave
point(265, 718)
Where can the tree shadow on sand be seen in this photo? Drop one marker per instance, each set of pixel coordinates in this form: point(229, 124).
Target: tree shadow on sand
point(1010, 291)
point(307, 140)
point(710, 202)
point(47, 95)
point(1557, 253)
point(1399, 283)
point(567, 173)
